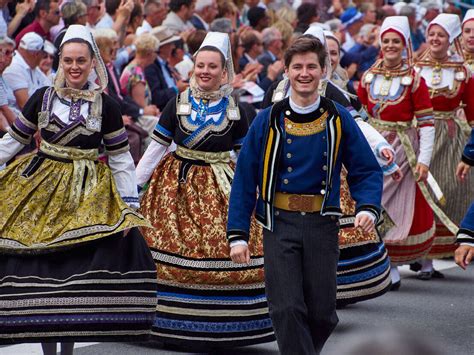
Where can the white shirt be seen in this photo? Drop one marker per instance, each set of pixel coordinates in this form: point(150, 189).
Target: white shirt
point(19, 75)
point(175, 24)
point(105, 22)
point(144, 28)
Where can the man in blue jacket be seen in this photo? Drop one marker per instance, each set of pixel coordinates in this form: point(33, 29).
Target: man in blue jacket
point(291, 164)
point(465, 237)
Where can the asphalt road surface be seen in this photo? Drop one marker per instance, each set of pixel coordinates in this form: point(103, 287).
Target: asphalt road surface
point(440, 312)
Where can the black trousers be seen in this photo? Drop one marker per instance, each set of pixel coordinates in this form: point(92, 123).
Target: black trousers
point(301, 256)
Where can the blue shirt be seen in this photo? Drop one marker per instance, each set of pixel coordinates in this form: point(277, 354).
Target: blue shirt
point(170, 82)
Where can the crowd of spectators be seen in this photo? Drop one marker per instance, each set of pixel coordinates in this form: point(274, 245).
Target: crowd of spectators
point(148, 46)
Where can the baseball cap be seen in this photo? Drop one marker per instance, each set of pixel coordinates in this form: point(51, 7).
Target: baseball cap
point(32, 42)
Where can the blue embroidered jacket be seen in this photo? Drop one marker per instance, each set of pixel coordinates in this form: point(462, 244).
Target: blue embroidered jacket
point(468, 154)
point(261, 167)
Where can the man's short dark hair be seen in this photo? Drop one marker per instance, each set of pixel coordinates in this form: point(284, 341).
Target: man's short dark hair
point(306, 12)
point(42, 5)
point(248, 40)
point(175, 5)
point(111, 6)
point(306, 44)
point(255, 14)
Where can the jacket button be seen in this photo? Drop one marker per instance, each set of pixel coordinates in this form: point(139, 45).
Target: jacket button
point(288, 155)
point(290, 169)
point(325, 154)
point(325, 167)
point(289, 141)
point(323, 183)
point(285, 181)
point(323, 192)
point(287, 112)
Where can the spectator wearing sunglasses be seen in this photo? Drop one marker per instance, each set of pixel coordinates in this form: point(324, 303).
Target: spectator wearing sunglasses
point(47, 15)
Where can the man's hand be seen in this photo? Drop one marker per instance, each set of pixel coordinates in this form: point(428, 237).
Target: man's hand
point(240, 254)
point(462, 171)
point(421, 172)
point(151, 110)
point(25, 7)
point(388, 155)
point(127, 120)
point(464, 255)
point(181, 85)
point(365, 222)
point(273, 70)
point(397, 175)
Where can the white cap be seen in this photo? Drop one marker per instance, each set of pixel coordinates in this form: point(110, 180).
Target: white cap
point(469, 16)
point(49, 48)
point(218, 40)
point(32, 42)
point(450, 23)
point(78, 32)
point(316, 31)
point(398, 24)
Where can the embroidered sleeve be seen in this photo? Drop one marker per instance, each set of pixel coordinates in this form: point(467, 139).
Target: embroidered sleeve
point(114, 134)
point(26, 124)
point(164, 129)
point(423, 109)
point(362, 92)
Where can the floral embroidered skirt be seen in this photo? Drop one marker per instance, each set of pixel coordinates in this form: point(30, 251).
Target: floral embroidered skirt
point(204, 299)
point(363, 270)
point(70, 275)
point(449, 144)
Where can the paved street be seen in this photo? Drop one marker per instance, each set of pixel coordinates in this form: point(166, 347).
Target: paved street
point(442, 310)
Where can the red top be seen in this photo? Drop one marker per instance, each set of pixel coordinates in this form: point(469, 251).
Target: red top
point(32, 27)
point(408, 98)
point(460, 87)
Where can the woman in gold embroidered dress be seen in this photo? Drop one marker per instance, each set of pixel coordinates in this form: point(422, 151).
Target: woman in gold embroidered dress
point(204, 299)
point(68, 273)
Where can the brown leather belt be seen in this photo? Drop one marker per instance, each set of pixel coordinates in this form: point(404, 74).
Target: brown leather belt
point(299, 203)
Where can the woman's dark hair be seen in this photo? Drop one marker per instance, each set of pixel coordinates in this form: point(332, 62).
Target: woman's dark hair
point(77, 40)
point(306, 44)
point(214, 49)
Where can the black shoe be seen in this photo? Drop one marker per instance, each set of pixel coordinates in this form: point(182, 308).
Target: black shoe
point(424, 275)
point(416, 266)
point(395, 286)
point(437, 274)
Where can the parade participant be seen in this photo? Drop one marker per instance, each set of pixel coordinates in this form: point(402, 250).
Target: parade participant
point(451, 91)
point(465, 237)
point(204, 299)
point(68, 272)
point(468, 38)
point(393, 94)
point(293, 154)
point(363, 268)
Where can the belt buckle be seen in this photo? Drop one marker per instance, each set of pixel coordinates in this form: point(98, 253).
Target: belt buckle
point(300, 203)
